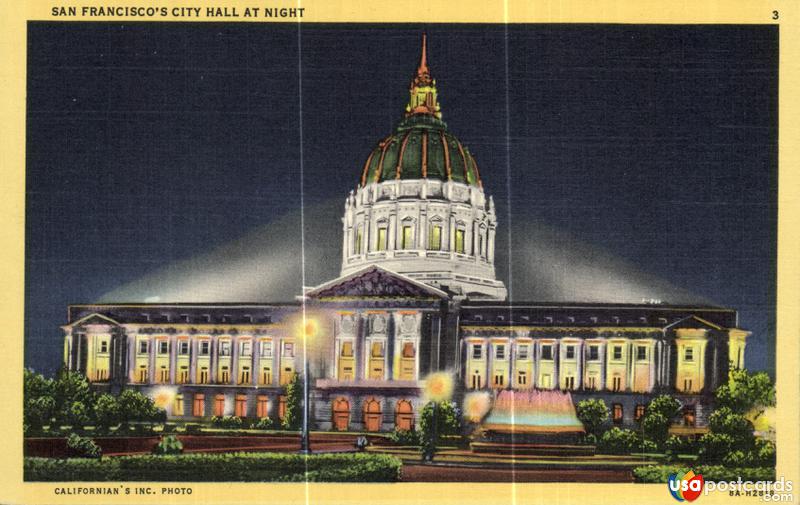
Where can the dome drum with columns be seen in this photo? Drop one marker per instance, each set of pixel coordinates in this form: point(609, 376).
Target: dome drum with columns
point(419, 208)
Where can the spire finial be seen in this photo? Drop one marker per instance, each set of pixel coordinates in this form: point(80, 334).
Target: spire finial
point(423, 59)
point(423, 87)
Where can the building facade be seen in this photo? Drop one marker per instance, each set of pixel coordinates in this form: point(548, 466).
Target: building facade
point(417, 294)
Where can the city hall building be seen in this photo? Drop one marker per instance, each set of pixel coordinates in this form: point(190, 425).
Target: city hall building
point(417, 294)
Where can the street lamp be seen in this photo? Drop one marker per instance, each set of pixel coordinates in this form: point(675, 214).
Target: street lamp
point(309, 330)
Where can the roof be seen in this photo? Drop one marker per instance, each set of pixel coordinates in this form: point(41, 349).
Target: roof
point(375, 281)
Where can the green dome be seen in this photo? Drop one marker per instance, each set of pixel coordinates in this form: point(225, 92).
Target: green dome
point(421, 148)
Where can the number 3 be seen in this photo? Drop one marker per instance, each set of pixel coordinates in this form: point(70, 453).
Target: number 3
point(775, 15)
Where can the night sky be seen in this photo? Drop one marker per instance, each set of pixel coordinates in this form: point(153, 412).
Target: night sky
point(148, 144)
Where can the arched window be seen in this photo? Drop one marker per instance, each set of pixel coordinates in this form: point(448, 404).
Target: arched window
point(341, 414)
point(404, 416)
point(372, 415)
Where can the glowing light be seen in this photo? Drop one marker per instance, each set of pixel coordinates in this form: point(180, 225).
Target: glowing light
point(439, 387)
point(762, 420)
point(163, 397)
point(309, 328)
point(476, 406)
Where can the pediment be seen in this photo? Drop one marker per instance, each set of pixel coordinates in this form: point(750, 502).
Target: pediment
point(94, 318)
point(375, 282)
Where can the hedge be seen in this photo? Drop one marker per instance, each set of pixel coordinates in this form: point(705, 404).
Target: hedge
point(233, 467)
point(660, 473)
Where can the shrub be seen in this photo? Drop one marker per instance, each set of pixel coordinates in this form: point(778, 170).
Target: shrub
point(404, 437)
point(192, 428)
point(82, 447)
point(265, 423)
point(227, 422)
point(236, 467)
point(675, 445)
point(168, 445)
point(764, 452)
point(648, 446)
point(736, 458)
point(714, 447)
point(593, 413)
point(661, 473)
point(106, 411)
point(588, 439)
point(619, 441)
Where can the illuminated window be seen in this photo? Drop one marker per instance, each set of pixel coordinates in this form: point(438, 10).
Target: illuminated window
point(592, 382)
point(266, 375)
point(617, 352)
point(262, 406)
point(522, 378)
point(407, 241)
point(205, 347)
point(377, 350)
point(225, 348)
point(199, 405)
point(569, 352)
point(638, 414)
point(281, 407)
point(288, 350)
point(500, 351)
point(435, 238)
point(594, 352)
point(477, 351)
point(522, 352)
point(476, 380)
point(547, 352)
point(347, 349)
point(617, 413)
point(163, 374)
point(266, 349)
point(688, 354)
point(177, 408)
point(569, 382)
point(103, 346)
point(408, 349)
point(183, 375)
point(219, 405)
point(359, 236)
point(142, 375)
point(240, 406)
point(163, 347)
point(183, 347)
point(203, 379)
point(687, 385)
point(244, 376)
point(459, 241)
point(224, 375)
point(616, 383)
point(641, 353)
point(381, 241)
point(143, 347)
point(689, 415)
point(498, 379)
point(246, 348)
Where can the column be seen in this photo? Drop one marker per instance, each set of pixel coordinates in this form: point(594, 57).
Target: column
point(391, 233)
point(580, 357)
point(390, 338)
point(361, 329)
point(173, 351)
point(132, 359)
point(603, 363)
point(212, 379)
point(192, 360)
point(556, 364)
point(151, 359)
point(234, 378)
point(490, 245)
point(512, 349)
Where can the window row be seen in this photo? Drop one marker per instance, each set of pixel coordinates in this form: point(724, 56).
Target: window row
point(407, 239)
point(546, 352)
point(264, 377)
point(265, 347)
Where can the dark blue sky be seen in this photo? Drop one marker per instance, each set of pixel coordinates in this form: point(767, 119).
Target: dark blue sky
point(149, 143)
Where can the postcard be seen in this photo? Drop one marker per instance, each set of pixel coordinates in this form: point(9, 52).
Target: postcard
point(487, 253)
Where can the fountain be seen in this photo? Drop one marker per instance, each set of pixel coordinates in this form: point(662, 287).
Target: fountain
point(532, 422)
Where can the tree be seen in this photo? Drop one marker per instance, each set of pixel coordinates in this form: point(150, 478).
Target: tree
point(293, 418)
point(134, 406)
point(746, 391)
point(69, 389)
point(437, 420)
point(39, 411)
point(657, 418)
point(106, 411)
point(593, 413)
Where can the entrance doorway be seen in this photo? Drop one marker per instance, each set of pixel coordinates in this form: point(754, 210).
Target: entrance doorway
point(404, 416)
point(372, 415)
point(341, 414)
